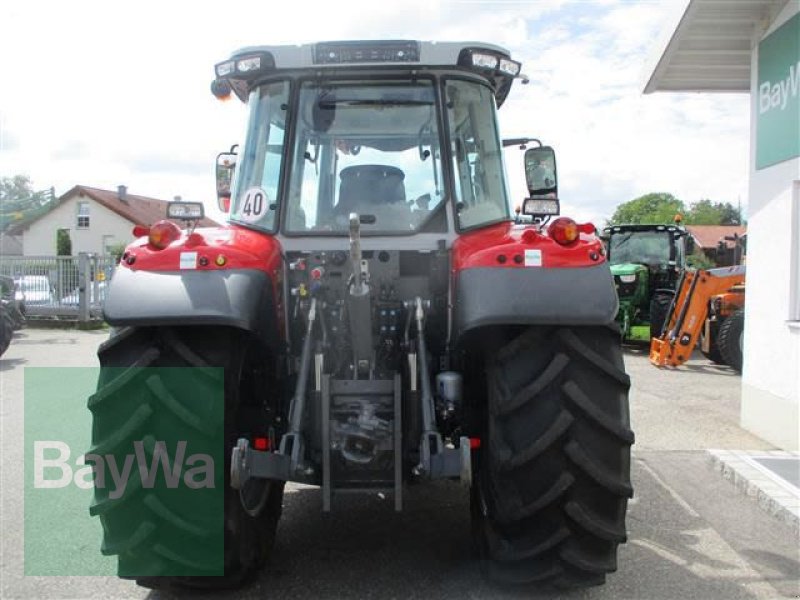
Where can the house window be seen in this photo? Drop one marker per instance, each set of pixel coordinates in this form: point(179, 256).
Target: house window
point(83, 215)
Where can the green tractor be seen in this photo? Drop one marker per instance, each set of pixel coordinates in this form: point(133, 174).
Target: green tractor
point(647, 262)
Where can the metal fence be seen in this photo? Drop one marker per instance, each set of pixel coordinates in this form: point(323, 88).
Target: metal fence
point(60, 286)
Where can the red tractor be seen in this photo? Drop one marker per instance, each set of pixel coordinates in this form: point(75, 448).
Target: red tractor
point(381, 318)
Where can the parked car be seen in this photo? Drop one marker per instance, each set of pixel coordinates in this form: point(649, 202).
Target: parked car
point(34, 290)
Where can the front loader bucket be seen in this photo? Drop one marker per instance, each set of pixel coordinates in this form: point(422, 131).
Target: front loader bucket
point(659, 351)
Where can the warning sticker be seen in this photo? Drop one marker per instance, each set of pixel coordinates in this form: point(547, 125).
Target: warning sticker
point(533, 258)
point(188, 260)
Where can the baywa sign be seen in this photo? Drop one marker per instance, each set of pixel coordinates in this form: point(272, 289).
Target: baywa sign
point(778, 122)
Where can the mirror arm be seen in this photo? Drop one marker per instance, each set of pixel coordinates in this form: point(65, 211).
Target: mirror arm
point(521, 142)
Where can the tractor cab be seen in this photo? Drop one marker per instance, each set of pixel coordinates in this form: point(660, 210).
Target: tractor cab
point(404, 134)
point(646, 262)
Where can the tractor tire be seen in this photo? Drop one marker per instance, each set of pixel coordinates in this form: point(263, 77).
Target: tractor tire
point(659, 307)
point(140, 527)
point(553, 477)
point(713, 354)
point(731, 338)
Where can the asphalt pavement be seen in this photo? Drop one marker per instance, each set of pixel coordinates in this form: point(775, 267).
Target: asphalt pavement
point(691, 533)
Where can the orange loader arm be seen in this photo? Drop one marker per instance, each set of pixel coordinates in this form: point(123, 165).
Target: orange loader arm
point(688, 313)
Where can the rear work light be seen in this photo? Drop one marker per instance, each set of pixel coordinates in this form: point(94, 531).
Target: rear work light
point(163, 233)
point(564, 231)
point(237, 73)
point(486, 60)
point(244, 66)
point(509, 67)
point(185, 211)
point(540, 207)
point(226, 68)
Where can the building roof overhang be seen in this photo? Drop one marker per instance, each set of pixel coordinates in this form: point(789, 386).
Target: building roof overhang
point(708, 46)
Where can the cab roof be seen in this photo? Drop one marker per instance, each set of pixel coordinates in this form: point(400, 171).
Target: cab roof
point(350, 53)
point(332, 56)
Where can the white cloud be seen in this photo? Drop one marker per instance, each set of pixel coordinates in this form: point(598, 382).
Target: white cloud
point(105, 93)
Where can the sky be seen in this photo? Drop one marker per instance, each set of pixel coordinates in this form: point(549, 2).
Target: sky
point(108, 93)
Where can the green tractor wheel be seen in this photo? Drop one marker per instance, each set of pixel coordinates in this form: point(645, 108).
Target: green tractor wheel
point(659, 307)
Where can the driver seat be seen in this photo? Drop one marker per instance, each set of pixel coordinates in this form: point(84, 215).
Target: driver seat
point(363, 187)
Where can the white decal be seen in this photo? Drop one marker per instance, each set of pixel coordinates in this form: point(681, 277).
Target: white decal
point(253, 206)
point(188, 260)
point(777, 95)
point(533, 258)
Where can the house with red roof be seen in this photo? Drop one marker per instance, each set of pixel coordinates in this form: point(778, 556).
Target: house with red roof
point(723, 244)
point(96, 220)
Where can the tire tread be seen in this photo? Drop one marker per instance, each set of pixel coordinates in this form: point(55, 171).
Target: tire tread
point(557, 479)
point(134, 522)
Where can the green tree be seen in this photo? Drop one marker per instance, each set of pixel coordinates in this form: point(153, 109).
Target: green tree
point(705, 212)
point(654, 208)
point(698, 260)
point(63, 243)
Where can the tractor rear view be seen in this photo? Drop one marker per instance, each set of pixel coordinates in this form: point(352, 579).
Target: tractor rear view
point(380, 320)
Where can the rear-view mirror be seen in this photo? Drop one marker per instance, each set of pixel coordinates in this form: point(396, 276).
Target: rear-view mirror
point(540, 171)
point(226, 164)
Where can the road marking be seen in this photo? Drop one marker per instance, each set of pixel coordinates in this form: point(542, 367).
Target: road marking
point(675, 496)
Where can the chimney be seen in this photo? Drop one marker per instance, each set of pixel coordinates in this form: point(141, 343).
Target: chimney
point(177, 199)
point(122, 192)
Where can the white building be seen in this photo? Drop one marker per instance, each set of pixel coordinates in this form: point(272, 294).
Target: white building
point(95, 219)
point(753, 46)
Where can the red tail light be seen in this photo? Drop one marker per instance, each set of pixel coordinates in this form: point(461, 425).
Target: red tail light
point(163, 233)
point(563, 230)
